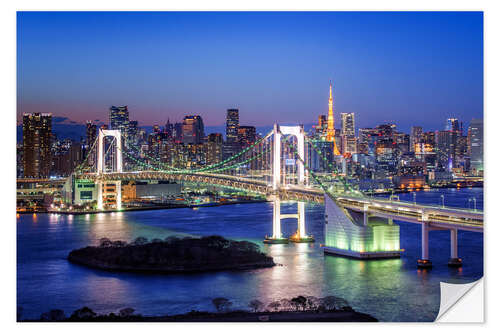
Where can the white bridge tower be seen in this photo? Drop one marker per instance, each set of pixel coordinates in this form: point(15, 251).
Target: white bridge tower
point(101, 169)
point(300, 236)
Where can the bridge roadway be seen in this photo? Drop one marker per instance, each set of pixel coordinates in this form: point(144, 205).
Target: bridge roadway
point(437, 217)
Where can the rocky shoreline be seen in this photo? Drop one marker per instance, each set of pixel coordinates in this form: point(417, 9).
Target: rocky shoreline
point(172, 255)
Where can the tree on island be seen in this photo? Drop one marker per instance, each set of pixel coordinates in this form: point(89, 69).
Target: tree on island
point(256, 305)
point(299, 303)
point(126, 312)
point(274, 306)
point(333, 302)
point(222, 304)
point(140, 241)
point(105, 242)
point(83, 313)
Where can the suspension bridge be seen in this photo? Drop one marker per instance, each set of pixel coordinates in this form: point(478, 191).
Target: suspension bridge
point(277, 166)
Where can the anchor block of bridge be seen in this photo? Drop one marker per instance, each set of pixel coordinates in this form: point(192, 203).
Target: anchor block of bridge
point(300, 235)
point(346, 213)
point(356, 234)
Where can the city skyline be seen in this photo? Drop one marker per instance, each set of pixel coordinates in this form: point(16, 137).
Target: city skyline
point(407, 85)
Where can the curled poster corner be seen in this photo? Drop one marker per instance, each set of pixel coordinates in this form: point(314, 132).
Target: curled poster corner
point(462, 303)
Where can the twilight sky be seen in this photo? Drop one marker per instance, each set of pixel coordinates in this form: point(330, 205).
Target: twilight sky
point(407, 68)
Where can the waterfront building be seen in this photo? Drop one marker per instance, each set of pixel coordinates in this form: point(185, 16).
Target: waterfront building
point(37, 137)
point(66, 157)
point(330, 132)
point(476, 145)
point(19, 161)
point(193, 130)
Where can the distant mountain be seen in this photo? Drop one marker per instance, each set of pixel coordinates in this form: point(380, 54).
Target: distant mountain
point(76, 132)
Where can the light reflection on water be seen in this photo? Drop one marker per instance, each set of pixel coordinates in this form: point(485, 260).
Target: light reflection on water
point(391, 290)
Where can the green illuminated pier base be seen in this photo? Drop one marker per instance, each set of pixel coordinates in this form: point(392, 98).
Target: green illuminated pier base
point(353, 235)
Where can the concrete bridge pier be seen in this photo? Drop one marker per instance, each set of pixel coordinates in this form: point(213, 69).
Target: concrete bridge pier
point(424, 261)
point(454, 261)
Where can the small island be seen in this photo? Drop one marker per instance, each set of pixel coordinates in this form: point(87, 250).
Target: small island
point(172, 255)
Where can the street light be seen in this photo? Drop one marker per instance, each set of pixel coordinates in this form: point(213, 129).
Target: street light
point(474, 199)
point(414, 198)
point(442, 200)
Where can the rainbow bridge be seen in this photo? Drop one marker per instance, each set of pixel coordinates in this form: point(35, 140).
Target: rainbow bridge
point(275, 167)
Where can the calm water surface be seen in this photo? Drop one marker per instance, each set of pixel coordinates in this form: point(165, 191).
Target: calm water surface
point(390, 290)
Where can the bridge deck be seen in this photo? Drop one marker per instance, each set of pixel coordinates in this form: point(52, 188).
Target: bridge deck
point(437, 216)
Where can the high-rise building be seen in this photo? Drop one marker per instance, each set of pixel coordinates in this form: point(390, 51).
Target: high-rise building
point(214, 148)
point(476, 145)
point(330, 132)
point(415, 137)
point(133, 131)
point(119, 119)
point(232, 125)
point(246, 135)
point(91, 134)
point(169, 129)
point(37, 137)
point(452, 125)
point(445, 149)
point(348, 133)
point(177, 132)
point(347, 124)
point(322, 125)
point(193, 130)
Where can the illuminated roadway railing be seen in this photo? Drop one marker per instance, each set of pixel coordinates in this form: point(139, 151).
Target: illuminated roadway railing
point(438, 216)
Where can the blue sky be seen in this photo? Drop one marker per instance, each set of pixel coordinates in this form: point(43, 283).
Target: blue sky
point(410, 68)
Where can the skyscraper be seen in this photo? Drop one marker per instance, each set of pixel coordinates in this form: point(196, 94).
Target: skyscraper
point(476, 145)
point(232, 125)
point(348, 133)
point(415, 137)
point(452, 125)
point(347, 127)
point(118, 119)
point(193, 130)
point(91, 134)
point(246, 135)
point(330, 132)
point(37, 138)
point(214, 148)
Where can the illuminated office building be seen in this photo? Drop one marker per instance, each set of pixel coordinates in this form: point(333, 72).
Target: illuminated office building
point(37, 138)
